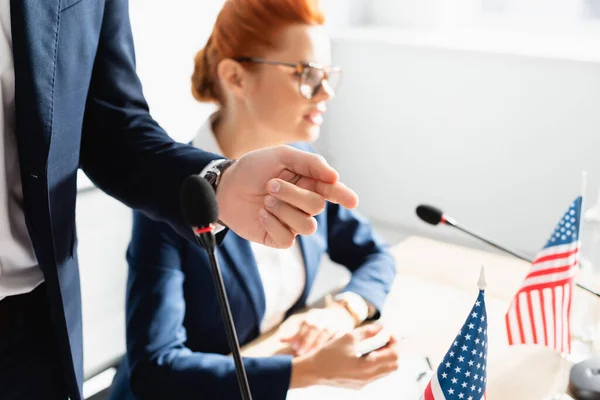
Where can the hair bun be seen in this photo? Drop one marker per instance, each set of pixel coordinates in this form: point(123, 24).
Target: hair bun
point(201, 82)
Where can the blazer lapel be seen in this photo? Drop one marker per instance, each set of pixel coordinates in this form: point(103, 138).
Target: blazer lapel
point(34, 25)
point(242, 261)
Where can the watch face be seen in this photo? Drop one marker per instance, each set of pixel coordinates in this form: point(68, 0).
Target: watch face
point(211, 177)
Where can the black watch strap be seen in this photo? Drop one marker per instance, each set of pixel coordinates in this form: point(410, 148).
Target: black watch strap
point(213, 171)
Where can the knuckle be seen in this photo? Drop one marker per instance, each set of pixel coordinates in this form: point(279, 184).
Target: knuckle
point(288, 242)
point(311, 325)
point(320, 158)
point(348, 337)
point(320, 205)
point(371, 360)
point(311, 225)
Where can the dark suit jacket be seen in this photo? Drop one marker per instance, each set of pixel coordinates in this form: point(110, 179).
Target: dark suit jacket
point(79, 103)
point(176, 339)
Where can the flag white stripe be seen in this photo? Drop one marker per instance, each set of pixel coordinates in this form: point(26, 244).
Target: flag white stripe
point(525, 321)
point(436, 389)
point(514, 323)
point(549, 278)
point(559, 262)
point(536, 305)
point(558, 292)
point(565, 317)
point(563, 248)
point(547, 310)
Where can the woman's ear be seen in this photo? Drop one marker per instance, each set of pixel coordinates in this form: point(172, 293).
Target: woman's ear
point(232, 77)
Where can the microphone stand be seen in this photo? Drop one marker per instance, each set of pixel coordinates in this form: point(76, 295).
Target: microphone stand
point(206, 238)
point(454, 224)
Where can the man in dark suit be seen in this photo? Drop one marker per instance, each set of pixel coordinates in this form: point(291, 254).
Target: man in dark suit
point(70, 98)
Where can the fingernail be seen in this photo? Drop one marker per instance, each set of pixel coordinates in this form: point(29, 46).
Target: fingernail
point(274, 186)
point(270, 201)
point(263, 214)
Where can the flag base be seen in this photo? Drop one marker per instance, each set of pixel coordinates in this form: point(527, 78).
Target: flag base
point(584, 380)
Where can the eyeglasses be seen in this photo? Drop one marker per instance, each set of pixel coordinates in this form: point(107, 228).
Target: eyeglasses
point(311, 75)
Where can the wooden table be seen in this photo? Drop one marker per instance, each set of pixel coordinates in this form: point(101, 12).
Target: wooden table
point(434, 291)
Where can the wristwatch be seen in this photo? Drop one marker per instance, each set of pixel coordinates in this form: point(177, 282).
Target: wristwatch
point(354, 304)
point(213, 171)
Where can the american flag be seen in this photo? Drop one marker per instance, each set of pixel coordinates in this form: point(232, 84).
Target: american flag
point(462, 375)
point(540, 313)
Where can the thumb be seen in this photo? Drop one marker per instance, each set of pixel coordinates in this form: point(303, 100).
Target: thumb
point(306, 164)
point(289, 339)
point(367, 331)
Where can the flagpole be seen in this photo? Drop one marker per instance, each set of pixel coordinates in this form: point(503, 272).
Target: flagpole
point(583, 190)
point(580, 216)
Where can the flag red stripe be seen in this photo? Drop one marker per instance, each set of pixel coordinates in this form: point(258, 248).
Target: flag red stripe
point(548, 271)
point(555, 256)
point(508, 330)
point(531, 319)
point(428, 395)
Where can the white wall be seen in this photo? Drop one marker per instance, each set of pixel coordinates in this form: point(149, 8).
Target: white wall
point(496, 139)
point(547, 16)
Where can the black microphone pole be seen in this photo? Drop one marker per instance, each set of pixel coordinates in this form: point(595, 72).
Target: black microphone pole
point(207, 240)
point(200, 209)
point(453, 223)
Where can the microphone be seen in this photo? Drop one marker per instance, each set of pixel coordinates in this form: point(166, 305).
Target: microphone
point(435, 216)
point(200, 210)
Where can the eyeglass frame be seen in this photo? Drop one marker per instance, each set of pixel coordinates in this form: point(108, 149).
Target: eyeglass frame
point(300, 67)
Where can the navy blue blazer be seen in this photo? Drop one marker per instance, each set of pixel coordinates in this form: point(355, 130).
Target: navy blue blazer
point(176, 341)
point(79, 103)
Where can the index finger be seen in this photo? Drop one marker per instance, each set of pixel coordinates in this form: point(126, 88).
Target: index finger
point(367, 331)
point(337, 192)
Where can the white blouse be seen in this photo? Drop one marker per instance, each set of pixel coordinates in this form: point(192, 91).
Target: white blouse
point(282, 271)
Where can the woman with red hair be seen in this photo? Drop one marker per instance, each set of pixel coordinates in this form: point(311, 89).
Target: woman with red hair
point(267, 67)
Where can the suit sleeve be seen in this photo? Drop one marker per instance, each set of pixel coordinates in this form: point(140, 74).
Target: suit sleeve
point(353, 243)
point(124, 151)
point(161, 366)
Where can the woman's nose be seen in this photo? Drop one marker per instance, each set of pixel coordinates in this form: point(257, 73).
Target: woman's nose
point(325, 91)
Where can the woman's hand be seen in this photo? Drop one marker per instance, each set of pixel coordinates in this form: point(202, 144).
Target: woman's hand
point(320, 325)
point(336, 364)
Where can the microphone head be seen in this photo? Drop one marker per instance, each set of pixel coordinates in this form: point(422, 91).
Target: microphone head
point(430, 214)
point(198, 202)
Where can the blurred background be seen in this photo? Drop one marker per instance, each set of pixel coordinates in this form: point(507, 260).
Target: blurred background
point(485, 108)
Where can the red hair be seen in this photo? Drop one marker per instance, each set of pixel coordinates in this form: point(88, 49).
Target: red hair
point(243, 29)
